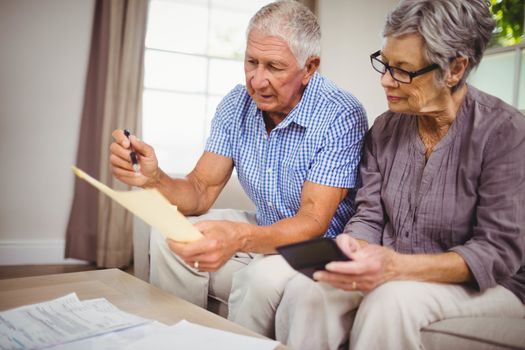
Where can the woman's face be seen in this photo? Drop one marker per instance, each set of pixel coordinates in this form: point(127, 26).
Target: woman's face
point(423, 95)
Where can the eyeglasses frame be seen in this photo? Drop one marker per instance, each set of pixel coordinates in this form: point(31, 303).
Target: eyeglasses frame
point(389, 68)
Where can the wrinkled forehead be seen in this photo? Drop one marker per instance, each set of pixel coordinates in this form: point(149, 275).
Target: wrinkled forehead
point(260, 43)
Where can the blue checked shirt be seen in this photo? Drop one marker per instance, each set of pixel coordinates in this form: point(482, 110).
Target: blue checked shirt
point(319, 141)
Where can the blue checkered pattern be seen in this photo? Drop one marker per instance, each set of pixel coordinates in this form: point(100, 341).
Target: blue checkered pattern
point(319, 141)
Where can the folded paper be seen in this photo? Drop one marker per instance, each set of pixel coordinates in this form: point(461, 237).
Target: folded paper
point(152, 207)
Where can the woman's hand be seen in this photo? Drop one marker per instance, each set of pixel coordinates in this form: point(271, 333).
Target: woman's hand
point(369, 267)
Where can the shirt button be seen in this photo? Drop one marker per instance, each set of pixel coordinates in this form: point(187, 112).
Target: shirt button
point(269, 170)
point(270, 204)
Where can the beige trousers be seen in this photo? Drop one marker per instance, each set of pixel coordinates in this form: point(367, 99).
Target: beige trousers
point(251, 284)
point(316, 316)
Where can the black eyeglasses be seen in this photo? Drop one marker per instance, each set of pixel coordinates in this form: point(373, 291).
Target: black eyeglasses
point(398, 74)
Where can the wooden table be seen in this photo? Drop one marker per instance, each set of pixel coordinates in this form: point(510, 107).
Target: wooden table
point(123, 290)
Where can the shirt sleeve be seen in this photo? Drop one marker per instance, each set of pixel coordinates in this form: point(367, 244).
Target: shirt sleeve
point(496, 249)
point(219, 141)
point(368, 222)
point(336, 164)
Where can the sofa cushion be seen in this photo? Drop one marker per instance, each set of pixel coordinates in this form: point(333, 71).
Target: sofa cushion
point(475, 333)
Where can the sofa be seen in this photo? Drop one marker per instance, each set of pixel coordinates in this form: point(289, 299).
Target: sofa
point(460, 333)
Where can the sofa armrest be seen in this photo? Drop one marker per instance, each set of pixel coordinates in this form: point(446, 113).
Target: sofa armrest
point(141, 232)
point(475, 333)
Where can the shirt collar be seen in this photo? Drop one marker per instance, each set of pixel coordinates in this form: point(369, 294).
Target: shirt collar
point(302, 113)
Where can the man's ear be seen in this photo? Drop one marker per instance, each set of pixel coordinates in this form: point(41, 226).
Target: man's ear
point(458, 66)
point(310, 67)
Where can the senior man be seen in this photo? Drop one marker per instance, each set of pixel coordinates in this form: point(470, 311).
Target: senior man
point(295, 141)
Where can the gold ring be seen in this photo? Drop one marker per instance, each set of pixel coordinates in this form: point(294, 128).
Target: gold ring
point(354, 285)
point(196, 264)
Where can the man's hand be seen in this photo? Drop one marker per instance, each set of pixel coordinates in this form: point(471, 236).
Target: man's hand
point(121, 166)
point(369, 267)
point(222, 239)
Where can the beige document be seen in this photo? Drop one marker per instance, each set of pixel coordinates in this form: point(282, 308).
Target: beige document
point(152, 207)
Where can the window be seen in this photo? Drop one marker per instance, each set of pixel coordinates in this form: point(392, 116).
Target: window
point(502, 70)
point(194, 56)
point(502, 73)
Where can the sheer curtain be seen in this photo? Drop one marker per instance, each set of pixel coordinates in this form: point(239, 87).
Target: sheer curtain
point(99, 230)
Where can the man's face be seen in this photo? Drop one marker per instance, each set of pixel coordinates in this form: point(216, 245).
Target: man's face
point(273, 79)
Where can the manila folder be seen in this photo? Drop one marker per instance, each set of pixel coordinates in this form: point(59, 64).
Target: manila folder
point(152, 207)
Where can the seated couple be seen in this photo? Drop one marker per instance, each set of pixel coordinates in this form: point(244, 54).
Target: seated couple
point(438, 226)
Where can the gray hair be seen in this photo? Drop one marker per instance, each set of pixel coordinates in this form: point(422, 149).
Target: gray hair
point(293, 22)
point(449, 28)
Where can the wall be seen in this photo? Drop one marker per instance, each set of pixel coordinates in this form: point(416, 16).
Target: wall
point(43, 62)
point(350, 33)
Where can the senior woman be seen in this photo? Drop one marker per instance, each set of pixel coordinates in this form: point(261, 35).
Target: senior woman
point(439, 230)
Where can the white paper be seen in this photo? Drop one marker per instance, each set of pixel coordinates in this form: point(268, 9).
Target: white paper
point(151, 206)
point(60, 321)
point(186, 335)
point(114, 340)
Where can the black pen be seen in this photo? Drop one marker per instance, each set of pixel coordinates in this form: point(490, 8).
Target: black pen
point(132, 154)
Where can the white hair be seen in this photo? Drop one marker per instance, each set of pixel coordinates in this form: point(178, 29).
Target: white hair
point(449, 28)
point(294, 23)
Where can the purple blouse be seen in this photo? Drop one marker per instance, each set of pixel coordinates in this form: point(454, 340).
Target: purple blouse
point(469, 197)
